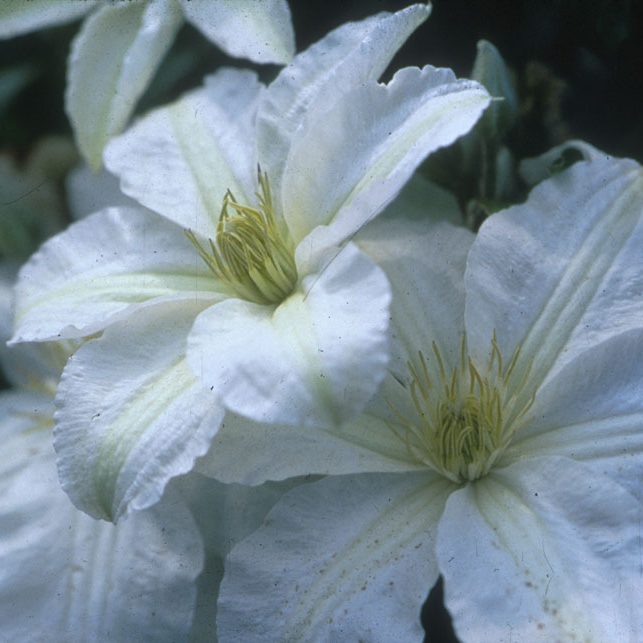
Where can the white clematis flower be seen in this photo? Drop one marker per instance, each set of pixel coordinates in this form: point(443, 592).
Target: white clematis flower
point(509, 431)
point(121, 44)
point(67, 577)
point(278, 324)
point(63, 575)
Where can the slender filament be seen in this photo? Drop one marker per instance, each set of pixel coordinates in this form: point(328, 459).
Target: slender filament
point(464, 419)
point(251, 253)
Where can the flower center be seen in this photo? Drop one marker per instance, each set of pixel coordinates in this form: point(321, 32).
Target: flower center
point(466, 418)
point(252, 253)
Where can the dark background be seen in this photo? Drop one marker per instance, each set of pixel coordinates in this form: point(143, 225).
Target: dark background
point(593, 47)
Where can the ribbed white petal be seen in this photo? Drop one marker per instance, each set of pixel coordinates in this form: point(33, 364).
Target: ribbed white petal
point(181, 159)
point(314, 360)
point(346, 558)
point(66, 577)
point(103, 268)
point(112, 60)
point(260, 31)
point(423, 255)
point(224, 514)
point(347, 56)
point(248, 452)
point(562, 271)
point(544, 550)
point(131, 414)
point(367, 143)
point(592, 410)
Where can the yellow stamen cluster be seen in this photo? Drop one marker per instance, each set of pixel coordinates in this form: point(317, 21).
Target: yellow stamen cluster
point(466, 418)
point(252, 254)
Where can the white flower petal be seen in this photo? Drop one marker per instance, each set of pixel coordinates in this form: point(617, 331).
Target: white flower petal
point(102, 268)
point(260, 31)
point(228, 513)
point(315, 360)
point(424, 260)
point(593, 410)
point(347, 56)
point(536, 169)
point(19, 17)
point(250, 453)
point(181, 159)
point(225, 513)
point(112, 60)
point(562, 271)
point(66, 577)
point(368, 142)
point(345, 558)
point(89, 191)
point(33, 367)
point(545, 550)
point(22, 410)
point(131, 414)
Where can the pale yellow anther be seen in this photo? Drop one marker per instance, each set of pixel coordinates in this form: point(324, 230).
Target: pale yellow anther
point(466, 418)
point(252, 253)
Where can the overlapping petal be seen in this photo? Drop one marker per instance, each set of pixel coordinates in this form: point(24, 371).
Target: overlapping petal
point(251, 453)
point(64, 576)
point(19, 17)
point(352, 54)
point(309, 573)
point(131, 414)
point(102, 268)
point(121, 46)
point(423, 255)
point(260, 31)
point(424, 260)
point(368, 141)
point(592, 410)
point(181, 159)
point(314, 360)
point(225, 514)
point(544, 550)
point(561, 272)
point(288, 366)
